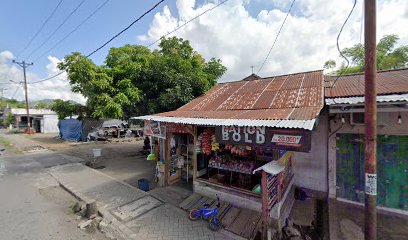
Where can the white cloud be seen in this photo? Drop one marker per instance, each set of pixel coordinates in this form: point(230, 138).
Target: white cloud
point(57, 88)
point(307, 40)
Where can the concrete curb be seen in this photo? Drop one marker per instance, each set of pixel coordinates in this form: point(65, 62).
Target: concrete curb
point(110, 226)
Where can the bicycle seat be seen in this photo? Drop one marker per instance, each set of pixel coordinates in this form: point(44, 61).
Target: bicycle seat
point(206, 205)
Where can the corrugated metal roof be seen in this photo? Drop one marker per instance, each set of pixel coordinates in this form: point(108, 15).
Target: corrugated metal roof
point(293, 100)
point(356, 100)
point(305, 124)
point(388, 82)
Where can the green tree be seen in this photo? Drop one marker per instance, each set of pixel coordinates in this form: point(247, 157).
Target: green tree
point(8, 119)
point(42, 105)
point(388, 56)
point(66, 109)
point(135, 80)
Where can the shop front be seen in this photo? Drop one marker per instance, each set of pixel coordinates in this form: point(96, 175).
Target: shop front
point(242, 140)
point(174, 150)
point(231, 162)
point(234, 159)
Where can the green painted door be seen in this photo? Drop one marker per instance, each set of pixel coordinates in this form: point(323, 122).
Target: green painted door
point(392, 169)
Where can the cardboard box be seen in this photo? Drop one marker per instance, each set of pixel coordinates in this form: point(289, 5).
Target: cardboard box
point(217, 178)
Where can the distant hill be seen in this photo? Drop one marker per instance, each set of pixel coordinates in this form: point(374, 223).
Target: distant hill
point(19, 104)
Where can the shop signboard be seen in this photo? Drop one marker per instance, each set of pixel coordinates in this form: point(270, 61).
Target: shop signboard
point(179, 128)
point(154, 129)
point(293, 140)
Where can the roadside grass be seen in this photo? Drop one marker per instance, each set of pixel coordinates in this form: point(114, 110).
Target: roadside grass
point(8, 145)
point(15, 131)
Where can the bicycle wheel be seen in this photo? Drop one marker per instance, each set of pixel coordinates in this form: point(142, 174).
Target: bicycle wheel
point(214, 224)
point(193, 215)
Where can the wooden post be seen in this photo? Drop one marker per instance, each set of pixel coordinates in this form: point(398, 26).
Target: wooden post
point(167, 159)
point(195, 153)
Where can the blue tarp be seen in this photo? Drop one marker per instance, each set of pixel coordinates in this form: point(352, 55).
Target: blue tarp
point(70, 129)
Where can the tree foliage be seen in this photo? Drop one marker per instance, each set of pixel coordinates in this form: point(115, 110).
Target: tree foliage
point(66, 109)
point(42, 105)
point(388, 56)
point(11, 103)
point(135, 80)
point(8, 119)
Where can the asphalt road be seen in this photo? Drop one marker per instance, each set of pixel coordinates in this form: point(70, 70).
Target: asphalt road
point(32, 205)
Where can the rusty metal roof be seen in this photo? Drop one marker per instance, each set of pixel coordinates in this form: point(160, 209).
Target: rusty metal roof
point(290, 97)
point(388, 82)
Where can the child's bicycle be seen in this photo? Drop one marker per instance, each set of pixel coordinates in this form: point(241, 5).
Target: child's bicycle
point(204, 213)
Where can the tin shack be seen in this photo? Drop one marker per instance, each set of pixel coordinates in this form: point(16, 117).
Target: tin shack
point(249, 141)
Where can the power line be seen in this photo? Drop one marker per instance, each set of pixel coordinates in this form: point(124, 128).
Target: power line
point(338, 45)
point(277, 35)
point(55, 31)
point(103, 45)
point(74, 30)
point(15, 92)
point(125, 29)
point(48, 78)
point(184, 24)
point(41, 28)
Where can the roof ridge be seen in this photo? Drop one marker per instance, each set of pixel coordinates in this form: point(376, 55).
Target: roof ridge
point(362, 73)
point(283, 75)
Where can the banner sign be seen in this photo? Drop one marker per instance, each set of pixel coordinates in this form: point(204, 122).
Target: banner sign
point(293, 140)
point(153, 128)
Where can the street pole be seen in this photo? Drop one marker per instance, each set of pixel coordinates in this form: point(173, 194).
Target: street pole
point(370, 106)
point(24, 65)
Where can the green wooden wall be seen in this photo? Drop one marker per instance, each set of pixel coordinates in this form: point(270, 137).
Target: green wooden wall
point(392, 169)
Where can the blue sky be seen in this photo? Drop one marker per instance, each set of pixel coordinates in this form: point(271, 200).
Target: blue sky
point(23, 18)
point(239, 32)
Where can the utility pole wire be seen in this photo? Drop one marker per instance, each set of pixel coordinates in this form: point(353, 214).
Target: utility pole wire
point(184, 24)
point(74, 30)
point(24, 65)
point(59, 26)
point(130, 25)
point(99, 48)
point(41, 28)
point(338, 46)
point(277, 35)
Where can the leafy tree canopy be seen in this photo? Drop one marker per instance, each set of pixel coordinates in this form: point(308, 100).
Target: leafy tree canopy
point(135, 80)
point(42, 105)
point(388, 56)
point(66, 109)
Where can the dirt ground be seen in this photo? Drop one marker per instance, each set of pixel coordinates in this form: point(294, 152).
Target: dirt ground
point(121, 160)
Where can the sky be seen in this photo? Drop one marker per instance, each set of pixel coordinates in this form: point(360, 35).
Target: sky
point(239, 32)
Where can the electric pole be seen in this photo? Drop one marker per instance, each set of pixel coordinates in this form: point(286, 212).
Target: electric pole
point(370, 106)
point(24, 65)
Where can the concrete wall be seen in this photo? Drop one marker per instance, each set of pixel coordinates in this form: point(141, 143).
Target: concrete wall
point(311, 168)
point(49, 124)
point(390, 128)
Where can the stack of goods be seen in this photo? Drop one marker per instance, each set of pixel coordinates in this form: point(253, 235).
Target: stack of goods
point(198, 143)
point(174, 158)
point(214, 145)
point(231, 165)
point(207, 140)
point(272, 185)
point(239, 151)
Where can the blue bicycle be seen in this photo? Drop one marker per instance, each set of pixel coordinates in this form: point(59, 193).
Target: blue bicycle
point(214, 223)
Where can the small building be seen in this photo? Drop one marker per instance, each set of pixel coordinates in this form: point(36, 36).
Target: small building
point(242, 133)
point(345, 101)
point(42, 120)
